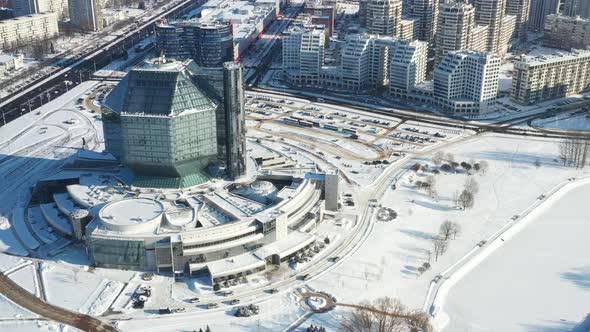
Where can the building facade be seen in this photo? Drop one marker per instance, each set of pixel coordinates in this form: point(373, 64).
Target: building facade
point(466, 82)
point(492, 13)
point(303, 52)
point(233, 141)
point(209, 44)
point(456, 23)
point(520, 9)
point(575, 8)
point(566, 32)
point(25, 30)
point(551, 76)
point(86, 14)
point(539, 10)
point(426, 13)
point(384, 17)
point(167, 125)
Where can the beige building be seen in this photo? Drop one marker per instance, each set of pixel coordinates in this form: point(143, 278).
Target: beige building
point(86, 14)
point(520, 10)
point(409, 28)
point(547, 77)
point(493, 14)
point(456, 22)
point(24, 30)
point(384, 17)
point(566, 32)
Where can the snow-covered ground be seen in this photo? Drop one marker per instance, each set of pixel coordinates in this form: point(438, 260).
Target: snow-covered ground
point(387, 264)
point(537, 280)
point(570, 121)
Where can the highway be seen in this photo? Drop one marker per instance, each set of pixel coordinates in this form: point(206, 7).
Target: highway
point(12, 106)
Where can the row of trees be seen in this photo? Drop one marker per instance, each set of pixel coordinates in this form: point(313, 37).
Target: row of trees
point(385, 315)
point(573, 152)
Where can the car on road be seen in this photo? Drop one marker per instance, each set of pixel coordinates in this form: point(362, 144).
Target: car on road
point(194, 300)
point(273, 290)
point(437, 278)
point(234, 301)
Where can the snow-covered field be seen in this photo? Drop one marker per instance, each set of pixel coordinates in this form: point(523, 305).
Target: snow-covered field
point(537, 280)
point(387, 264)
point(568, 121)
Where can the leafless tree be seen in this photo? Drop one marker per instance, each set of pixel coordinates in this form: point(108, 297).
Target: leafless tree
point(483, 166)
point(382, 315)
point(471, 185)
point(574, 152)
point(431, 181)
point(438, 158)
point(466, 199)
point(446, 229)
point(456, 230)
point(440, 246)
point(450, 157)
point(418, 321)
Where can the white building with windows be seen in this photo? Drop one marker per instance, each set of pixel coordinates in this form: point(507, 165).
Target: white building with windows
point(303, 53)
point(466, 82)
point(25, 30)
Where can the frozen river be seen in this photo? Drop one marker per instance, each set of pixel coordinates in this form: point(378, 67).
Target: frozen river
point(538, 280)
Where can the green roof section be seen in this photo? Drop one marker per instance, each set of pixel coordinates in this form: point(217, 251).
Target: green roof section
point(189, 180)
point(165, 89)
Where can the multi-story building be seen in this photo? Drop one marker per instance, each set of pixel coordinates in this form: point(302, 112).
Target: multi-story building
point(550, 76)
point(456, 21)
point(384, 17)
point(407, 67)
point(217, 22)
point(466, 82)
point(492, 13)
point(566, 32)
point(86, 14)
point(539, 10)
point(10, 63)
point(479, 38)
point(577, 8)
point(520, 9)
point(325, 15)
point(161, 125)
point(303, 53)
point(209, 44)
point(25, 30)
point(233, 137)
point(409, 28)
point(426, 12)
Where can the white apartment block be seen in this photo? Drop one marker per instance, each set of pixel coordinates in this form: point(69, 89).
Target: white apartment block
point(384, 17)
point(86, 14)
point(520, 10)
point(407, 67)
point(492, 13)
point(25, 30)
point(426, 12)
point(10, 63)
point(550, 76)
point(566, 32)
point(479, 38)
point(466, 82)
point(303, 53)
point(409, 28)
point(456, 22)
point(29, 7)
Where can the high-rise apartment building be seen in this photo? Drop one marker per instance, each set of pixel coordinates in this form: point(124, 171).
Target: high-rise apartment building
point(233, 140)
point(407, 67)
point(493, 14)
point(209, 44)
point(409, 28)
point(550, 76)
point(28, 7)
point(426, 12)
point(25, 30)
point(466, 82)
point(566, 32)
point(384, 17)
point(86, 14)
point(539, 10)
point(456, 21)
point(577, 8)
point(303, 52)
point(520, 9)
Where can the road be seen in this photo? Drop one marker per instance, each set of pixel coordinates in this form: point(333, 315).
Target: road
point(30, 302)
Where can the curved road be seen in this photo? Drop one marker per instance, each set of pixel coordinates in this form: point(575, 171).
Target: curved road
point(30, 302)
